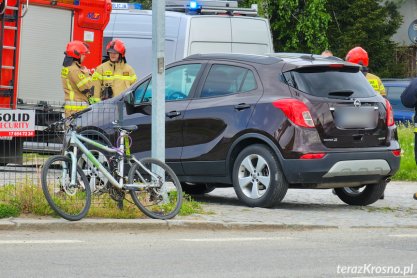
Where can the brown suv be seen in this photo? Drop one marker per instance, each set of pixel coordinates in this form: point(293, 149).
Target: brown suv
point(263, 124)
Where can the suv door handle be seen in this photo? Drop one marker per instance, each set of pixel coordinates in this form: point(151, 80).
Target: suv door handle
point(173, 114)
point(242, 106)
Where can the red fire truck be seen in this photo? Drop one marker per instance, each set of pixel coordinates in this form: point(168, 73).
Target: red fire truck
point(33, 36)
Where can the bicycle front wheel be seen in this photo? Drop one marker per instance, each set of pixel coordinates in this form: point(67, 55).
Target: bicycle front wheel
point(71, 202)
point(159, 195)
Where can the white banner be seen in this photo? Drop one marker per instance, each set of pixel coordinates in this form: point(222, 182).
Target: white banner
point(17, 123)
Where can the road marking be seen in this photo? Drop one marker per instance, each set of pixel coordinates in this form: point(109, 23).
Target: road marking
point(404, 235)
point(31, 241)
point(235, 239)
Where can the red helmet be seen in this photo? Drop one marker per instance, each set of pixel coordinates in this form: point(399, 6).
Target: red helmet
point(116, 46)
point(77, 48)
point(358, 55)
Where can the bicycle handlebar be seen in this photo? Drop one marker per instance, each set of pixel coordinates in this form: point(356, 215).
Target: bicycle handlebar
point(69, 119)
point(77, 114)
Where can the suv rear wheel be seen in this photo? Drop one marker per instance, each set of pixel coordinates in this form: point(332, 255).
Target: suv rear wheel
point(257, 177)
point(361, 196)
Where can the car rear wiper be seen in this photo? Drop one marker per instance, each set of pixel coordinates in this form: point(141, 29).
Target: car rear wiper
point(341, 93)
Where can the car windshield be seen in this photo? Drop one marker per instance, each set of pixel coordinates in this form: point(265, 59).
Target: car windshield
point(344, 82)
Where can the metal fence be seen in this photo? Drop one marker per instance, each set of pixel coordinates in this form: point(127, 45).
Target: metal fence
point(21, 159)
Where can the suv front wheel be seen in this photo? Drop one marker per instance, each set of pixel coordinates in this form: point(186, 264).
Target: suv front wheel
point(257, 177)
point(361, 196)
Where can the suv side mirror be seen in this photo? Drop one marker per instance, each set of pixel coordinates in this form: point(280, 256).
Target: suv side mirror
point(132, 108)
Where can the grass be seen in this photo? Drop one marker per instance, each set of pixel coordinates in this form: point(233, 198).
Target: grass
point(27, 198)
point(408, 170)
point(8, 210)
point(34, 158)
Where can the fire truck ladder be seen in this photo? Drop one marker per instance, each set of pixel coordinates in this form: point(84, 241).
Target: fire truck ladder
point(9, 36)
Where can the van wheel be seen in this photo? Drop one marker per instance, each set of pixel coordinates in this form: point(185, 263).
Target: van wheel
point(197, 188)
point(361, 196)
point(257, 177)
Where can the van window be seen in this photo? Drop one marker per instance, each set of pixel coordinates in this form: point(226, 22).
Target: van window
point(225, 80)
point(178, 82)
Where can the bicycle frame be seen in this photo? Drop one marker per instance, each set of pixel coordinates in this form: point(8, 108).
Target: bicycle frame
point(77, 142)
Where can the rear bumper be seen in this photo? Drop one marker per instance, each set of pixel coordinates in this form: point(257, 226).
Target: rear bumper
point(338, 168)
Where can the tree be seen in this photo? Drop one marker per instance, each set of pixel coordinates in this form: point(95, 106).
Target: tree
point(296, 25)
point(366, 23)
point(314, 25)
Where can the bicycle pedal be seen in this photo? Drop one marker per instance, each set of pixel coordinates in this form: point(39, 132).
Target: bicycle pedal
point(120, 204)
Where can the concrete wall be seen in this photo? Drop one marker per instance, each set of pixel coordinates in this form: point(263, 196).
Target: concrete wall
point(409, 12)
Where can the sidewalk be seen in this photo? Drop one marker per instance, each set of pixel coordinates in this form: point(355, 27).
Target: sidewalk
point(300, 209)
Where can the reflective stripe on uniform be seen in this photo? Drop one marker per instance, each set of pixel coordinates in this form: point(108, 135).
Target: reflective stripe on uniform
point(71, 91)
point(98, 76)
point(75, 105)
point(83, 82)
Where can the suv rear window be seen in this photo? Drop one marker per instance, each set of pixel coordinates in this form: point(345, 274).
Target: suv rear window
point(330, 82)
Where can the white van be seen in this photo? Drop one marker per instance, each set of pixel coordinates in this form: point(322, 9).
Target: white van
point(186, 34)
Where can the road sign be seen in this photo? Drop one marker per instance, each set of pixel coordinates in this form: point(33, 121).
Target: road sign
point(412, 31)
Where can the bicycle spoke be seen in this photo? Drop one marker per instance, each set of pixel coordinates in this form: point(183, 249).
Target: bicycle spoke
point(71, 201)
point(161, 197)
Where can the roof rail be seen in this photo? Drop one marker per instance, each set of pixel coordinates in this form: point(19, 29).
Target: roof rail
point(209, 7)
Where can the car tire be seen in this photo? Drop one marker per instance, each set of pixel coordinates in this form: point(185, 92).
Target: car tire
point(197, 188)
point(369, 195)
point(257, 177)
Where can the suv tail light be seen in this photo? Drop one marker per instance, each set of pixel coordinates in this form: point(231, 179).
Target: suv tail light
point(390, 114)
point(396, 153)
point(296, 111)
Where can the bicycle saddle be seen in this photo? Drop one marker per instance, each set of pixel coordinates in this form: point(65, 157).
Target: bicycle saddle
point(127, 127)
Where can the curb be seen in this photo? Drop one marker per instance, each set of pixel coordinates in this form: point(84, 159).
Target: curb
point(12, 224)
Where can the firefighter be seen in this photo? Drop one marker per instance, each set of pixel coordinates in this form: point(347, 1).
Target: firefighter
point(115, 75)
point(76, 79)
point(358, 55)
point(409, 100)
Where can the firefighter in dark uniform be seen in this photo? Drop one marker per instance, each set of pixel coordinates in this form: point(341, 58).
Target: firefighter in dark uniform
point(76, 79)
point(113, 76)
point(409, 99)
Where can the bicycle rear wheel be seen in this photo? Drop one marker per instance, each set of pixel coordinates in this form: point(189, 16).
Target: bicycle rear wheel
point(70, 202)
point(160, 197)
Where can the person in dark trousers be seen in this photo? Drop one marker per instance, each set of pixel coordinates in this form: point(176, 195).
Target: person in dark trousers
point(409, 100)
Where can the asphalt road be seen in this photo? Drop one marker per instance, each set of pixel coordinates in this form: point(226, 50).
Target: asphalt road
point(310, 253)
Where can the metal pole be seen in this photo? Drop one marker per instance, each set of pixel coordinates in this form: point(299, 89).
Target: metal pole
point(158, 79)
